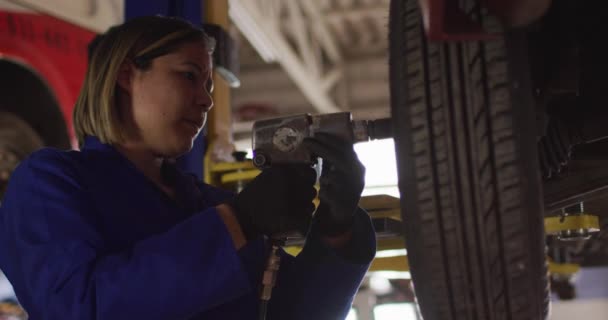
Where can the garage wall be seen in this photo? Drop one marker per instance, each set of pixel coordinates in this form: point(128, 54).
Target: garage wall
point(592, 297)
point(587, 309)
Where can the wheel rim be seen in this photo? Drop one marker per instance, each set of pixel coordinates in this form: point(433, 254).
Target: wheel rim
point(8, 162)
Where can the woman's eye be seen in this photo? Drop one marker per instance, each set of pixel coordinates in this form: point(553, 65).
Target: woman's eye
point(190, 75)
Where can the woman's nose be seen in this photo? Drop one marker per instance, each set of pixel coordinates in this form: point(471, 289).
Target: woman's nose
point(205, 100)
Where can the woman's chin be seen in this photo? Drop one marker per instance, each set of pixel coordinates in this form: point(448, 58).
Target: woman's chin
point(179, 148)
point(183, 150)
point(183, 142)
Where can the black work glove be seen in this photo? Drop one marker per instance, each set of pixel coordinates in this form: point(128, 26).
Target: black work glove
point(342, 181)
point(277, 202)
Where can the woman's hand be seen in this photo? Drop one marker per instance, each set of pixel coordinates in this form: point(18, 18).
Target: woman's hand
point(277, 202)
point(342, 181)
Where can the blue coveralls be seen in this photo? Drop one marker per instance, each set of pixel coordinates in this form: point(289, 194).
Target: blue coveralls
point(85, 235)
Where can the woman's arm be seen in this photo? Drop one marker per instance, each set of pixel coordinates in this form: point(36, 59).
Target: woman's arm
point(232, 225)
point(60, 269)
point(324, 276)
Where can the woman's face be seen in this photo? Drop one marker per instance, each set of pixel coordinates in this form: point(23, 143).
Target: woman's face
point(167, 104)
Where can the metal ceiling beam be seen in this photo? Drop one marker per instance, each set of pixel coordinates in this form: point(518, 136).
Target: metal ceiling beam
point(260, 22)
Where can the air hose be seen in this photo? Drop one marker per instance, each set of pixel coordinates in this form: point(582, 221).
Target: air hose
point(270, 275)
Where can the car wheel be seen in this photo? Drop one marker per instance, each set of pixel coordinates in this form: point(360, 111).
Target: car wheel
point(463, 118)
point(17, 140)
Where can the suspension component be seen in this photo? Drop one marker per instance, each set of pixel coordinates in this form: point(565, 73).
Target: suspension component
point(555, 148)
point(563, 269)
point(572, 224)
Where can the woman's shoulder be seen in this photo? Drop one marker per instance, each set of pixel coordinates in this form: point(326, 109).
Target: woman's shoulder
point(53, 157)
point(50, 161)
point(43, 171)
point(214, 194)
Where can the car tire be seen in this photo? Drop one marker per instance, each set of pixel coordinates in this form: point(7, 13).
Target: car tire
point(17, 140)
point(471, 199)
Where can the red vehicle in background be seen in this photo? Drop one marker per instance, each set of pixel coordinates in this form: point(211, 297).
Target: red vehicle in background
point(43, 57)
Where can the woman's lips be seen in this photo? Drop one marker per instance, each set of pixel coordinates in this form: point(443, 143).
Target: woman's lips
point(194, 124)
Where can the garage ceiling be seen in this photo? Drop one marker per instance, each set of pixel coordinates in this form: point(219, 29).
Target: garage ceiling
point(313, 56)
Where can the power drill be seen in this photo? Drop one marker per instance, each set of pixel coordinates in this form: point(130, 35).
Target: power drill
point(279, 141)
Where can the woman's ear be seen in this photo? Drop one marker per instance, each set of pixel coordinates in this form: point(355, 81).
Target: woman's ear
point(125, 75)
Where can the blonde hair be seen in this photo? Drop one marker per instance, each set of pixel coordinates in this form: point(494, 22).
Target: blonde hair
point(139, 40)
